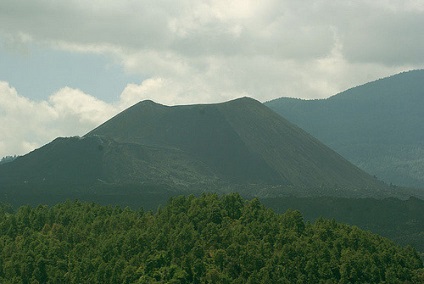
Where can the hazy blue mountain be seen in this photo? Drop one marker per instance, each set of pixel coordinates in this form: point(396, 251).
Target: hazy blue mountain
point(378, 126)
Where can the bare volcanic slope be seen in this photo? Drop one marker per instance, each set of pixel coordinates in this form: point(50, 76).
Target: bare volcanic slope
point(241, 142)
point(238, 145)
point(87, 163)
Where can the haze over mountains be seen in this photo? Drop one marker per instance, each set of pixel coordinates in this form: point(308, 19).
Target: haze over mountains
point(239, 145)
point(378, 126)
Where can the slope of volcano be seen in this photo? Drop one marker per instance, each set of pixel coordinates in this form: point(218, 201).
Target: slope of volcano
point(237, 145)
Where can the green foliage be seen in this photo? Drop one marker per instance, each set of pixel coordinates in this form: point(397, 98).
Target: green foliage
point(7, 159)
point(399, 220)
point(210, 239)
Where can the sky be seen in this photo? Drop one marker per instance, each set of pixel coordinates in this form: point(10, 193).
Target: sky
point(68, 66)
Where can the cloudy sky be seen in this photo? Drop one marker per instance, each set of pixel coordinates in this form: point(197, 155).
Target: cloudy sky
point(67, 66)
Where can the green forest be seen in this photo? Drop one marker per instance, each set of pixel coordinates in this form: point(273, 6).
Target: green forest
point(206, 239)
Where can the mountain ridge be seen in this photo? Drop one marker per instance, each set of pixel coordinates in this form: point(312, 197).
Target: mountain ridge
point(238, 145)
point(376, 126)
point(214, 127)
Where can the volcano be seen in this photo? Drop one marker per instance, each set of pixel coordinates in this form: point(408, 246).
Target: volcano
point(240, 145)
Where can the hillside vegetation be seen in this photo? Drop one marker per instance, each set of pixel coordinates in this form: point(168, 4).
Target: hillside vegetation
point(209, 239)
point(377, 126)
point(399, 220)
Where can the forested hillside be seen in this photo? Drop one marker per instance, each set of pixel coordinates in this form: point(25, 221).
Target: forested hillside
point(7, 159)
point(209, 239)
point(399, 220)
point(377, 126)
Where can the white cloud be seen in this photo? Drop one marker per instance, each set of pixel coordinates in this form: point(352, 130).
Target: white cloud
point(26, 125)
point(20, 121)
point(206, 51)
point(71, 104)
point(150, 89)
point(213, 50)
point(285, 29)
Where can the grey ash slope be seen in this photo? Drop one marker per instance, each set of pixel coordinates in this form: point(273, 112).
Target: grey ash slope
point(240, 142)
point(378, 126)
point(86, 164)
point(239, 145)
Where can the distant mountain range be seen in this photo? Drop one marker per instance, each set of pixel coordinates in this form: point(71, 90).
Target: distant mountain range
point(378, 126)
point(239, 145)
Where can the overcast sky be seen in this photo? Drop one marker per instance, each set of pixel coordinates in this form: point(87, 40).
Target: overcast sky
point(67, 66)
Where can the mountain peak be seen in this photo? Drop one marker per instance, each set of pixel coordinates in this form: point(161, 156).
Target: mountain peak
point(240, 144)
point(240, 141)
point(243, 100)
point(148, 103)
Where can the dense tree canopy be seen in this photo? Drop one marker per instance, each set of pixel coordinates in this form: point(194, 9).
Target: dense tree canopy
point(210, 239)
